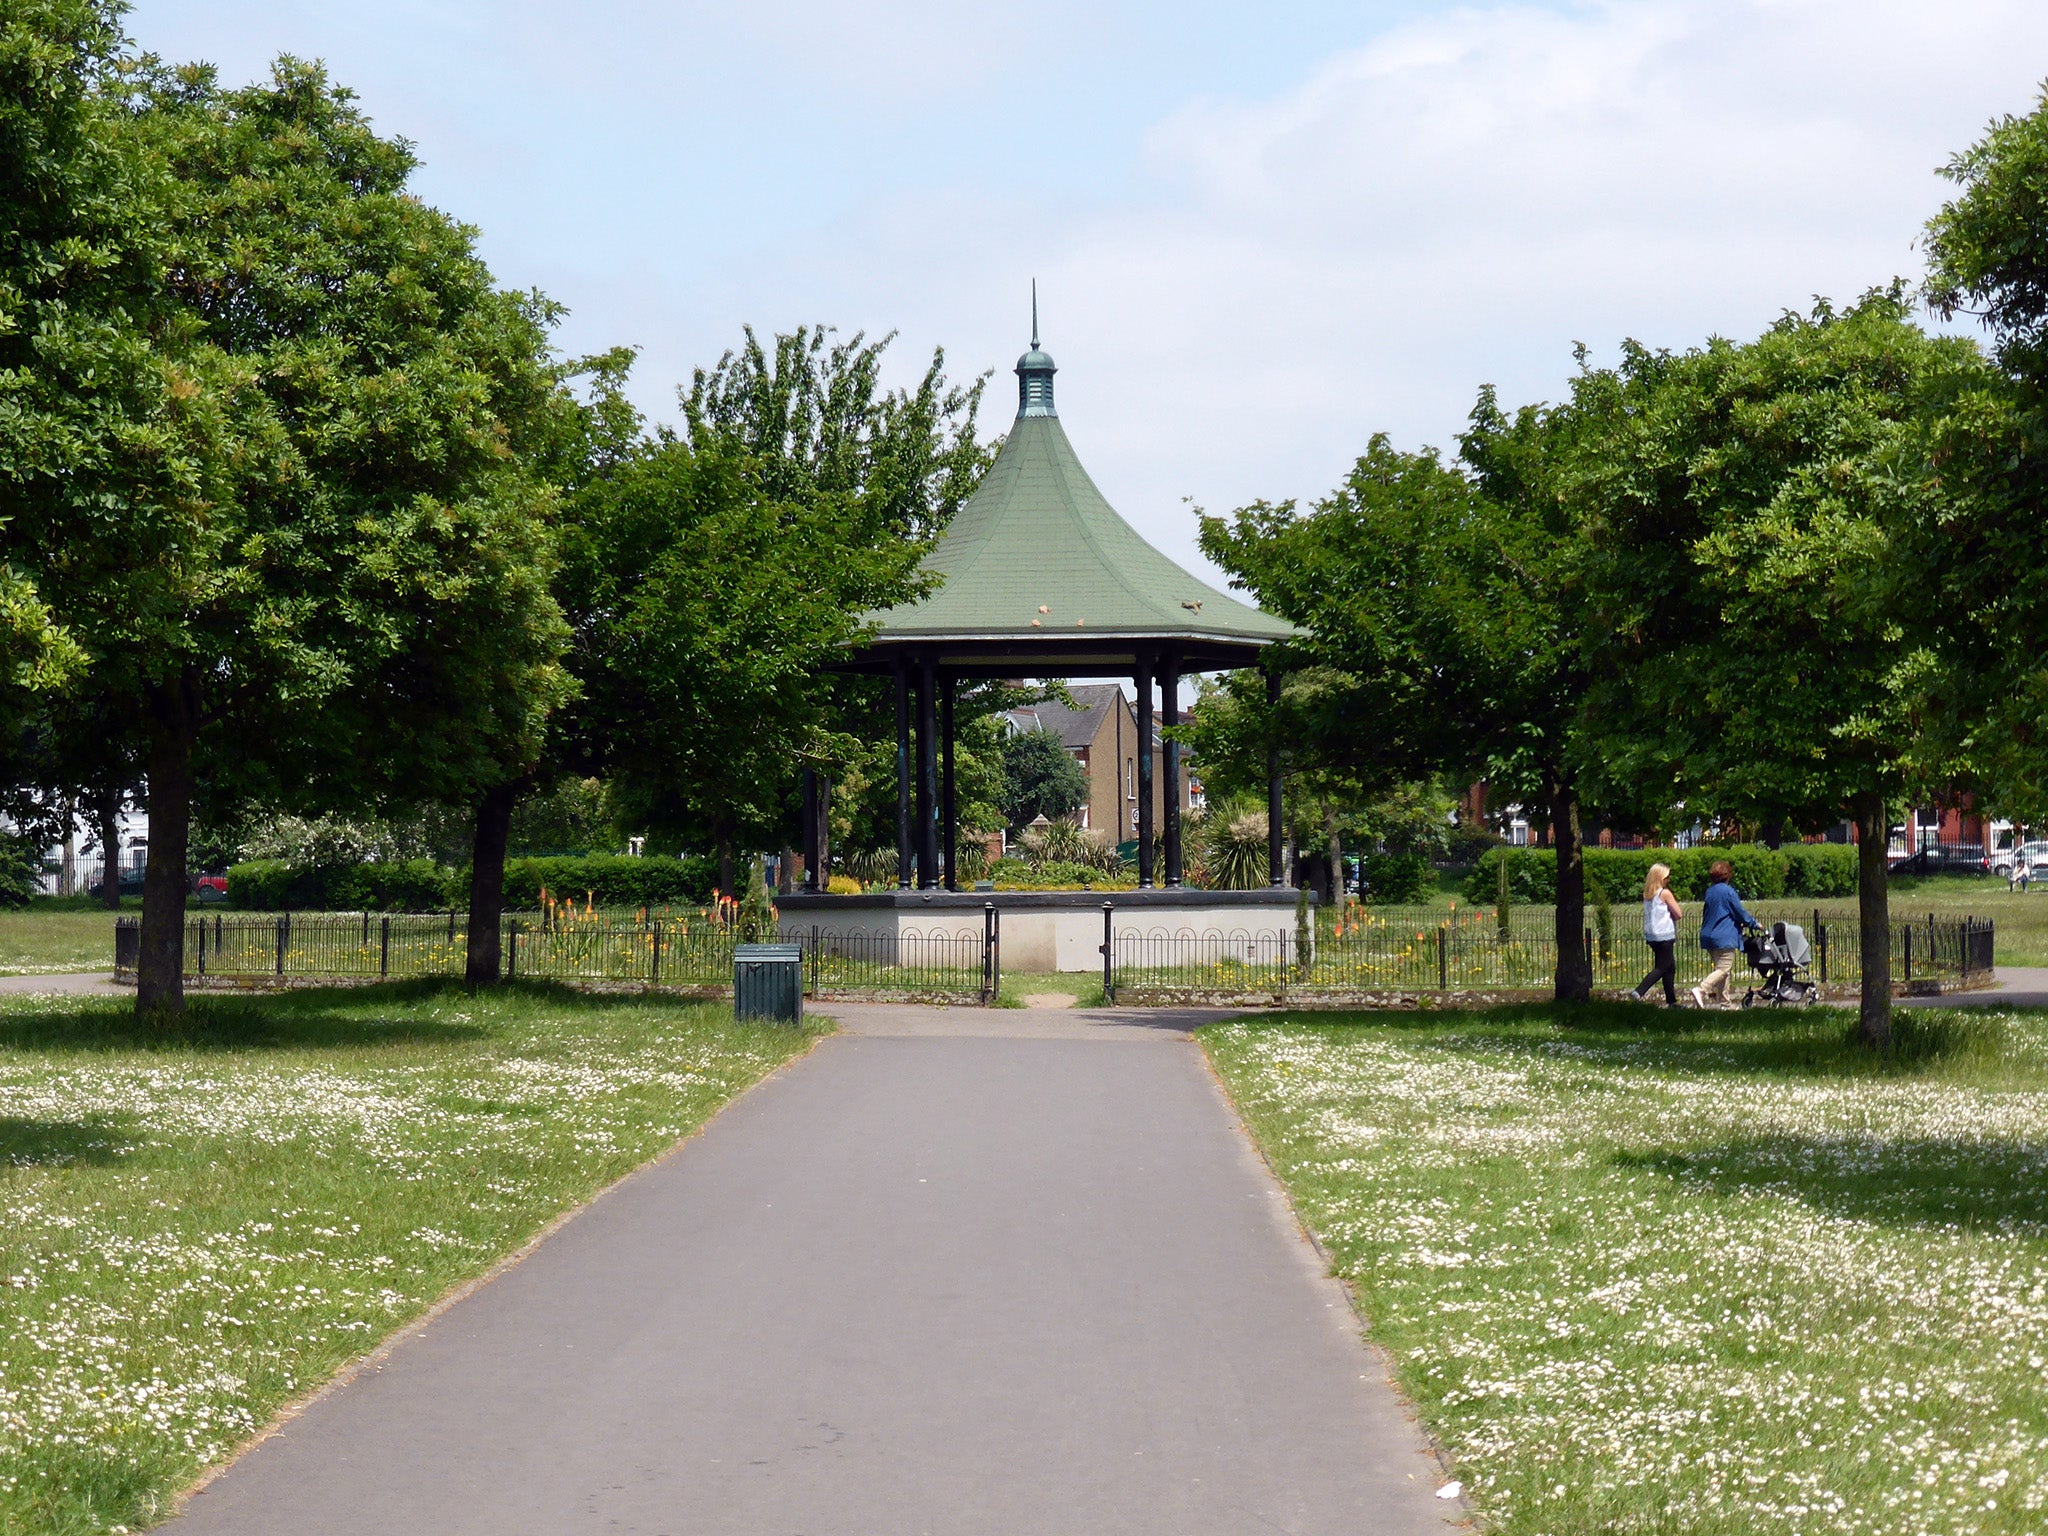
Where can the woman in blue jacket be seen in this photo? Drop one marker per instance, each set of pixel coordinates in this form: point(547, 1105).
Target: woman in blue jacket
point(1722, 919)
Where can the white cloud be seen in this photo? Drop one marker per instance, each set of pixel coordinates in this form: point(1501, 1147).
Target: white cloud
point(1455, 204)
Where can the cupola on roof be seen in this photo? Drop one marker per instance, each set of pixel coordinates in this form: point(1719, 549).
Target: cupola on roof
point(1038, 567)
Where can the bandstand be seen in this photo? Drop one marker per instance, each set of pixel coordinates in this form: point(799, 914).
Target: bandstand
point(1040, 577)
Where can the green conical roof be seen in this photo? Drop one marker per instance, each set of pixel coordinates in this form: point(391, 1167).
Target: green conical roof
point(1038, 553)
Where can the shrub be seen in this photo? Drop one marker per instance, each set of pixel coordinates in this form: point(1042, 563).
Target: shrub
point(420, 885)
point(414, 885)
point(1052, 875)
point(1396, 879)
point(1820, 869)
point(1761, 874)
point(20, 868)
point(611, 880)
point(1468, 844)
point(843, 885)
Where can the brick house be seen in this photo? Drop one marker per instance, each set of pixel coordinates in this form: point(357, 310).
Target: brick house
point(1102, 735)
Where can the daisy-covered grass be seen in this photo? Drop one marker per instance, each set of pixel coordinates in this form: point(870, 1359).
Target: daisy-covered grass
point(199, 1223)
point(1688, 1272)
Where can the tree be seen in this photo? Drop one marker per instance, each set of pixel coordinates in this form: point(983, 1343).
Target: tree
point(713, 576)
point(328, 464)
point(76, 375)
point(1447, 599)
point(1040, 778)
point(1755, 651)
point(1975, 551)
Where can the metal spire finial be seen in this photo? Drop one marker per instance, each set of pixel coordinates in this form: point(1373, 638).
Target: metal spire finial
point(1034, 312)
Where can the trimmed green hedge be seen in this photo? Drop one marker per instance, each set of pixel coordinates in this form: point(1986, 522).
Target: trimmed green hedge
point(420, 885)
point(1397, 879)
point(611, 880)
point(1816, 870)
point(417, 885)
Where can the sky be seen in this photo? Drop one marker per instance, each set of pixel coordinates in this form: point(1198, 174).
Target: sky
point(1261, 234)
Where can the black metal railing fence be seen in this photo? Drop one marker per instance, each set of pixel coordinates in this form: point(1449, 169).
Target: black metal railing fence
point(674, 950)
point(1394, 949)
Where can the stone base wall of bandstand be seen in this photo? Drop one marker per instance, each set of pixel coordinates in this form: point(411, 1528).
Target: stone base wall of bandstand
point(1044, 930)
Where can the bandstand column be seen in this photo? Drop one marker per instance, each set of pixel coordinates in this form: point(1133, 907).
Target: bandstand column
point(1276, 857)
point(902, 774)
point(927, 775)
point(949, 804)
point(1169, 714)
point(1143, 676)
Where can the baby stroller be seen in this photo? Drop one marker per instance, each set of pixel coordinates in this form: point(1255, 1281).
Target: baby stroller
point(1781, 957)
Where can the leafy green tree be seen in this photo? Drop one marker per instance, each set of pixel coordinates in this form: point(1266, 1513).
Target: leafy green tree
point(714, 576)
point(1040, 778)
point(1976, 552)
point(1755, 653)
point(330, 401)
point(1445, 600)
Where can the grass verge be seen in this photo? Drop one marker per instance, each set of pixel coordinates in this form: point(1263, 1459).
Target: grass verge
point(1683, 1272)
point(201, 1223)
point(52, 936)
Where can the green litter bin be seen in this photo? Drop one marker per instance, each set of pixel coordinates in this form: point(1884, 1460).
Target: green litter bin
point(768, 982)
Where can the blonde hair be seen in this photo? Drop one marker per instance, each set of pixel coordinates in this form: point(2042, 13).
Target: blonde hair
point(1658, 878)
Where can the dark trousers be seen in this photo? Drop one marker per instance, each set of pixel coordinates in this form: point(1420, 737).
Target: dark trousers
point(1663, 953)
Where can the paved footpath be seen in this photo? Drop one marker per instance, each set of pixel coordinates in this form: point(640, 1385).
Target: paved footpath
point(1015, 1272)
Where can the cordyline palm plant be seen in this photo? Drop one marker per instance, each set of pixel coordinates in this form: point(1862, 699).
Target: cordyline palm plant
point(1066, 841)
point(1229, 845)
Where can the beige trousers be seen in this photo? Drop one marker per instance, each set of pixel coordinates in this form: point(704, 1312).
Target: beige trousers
point(1716, 984)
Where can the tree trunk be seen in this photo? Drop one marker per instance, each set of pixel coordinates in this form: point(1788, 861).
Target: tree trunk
point(785, 873)
point(160, 969)
point(108, 809)
point(1333, 892)
point(487, 882)
point(67, 872)
point(1774, 833)
point(1574, 966)
point(1874, 919)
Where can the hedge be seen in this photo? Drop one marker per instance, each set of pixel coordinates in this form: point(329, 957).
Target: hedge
point(1397, 879)
point(611, 880)
point(420, 885)
point(1816, 870)
point(417, 885)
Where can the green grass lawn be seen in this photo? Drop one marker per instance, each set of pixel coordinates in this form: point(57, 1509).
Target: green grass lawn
point(52, 936)
point(199, 1224)
point(1681, 1272)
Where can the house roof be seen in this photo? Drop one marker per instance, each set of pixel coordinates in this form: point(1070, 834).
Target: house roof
point(1037, 561)
point(1074, 727)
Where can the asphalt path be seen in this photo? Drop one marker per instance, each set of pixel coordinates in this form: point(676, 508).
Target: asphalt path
point(957, 1271)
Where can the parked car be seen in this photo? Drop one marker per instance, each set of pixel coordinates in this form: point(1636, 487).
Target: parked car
point(1944, 859)
point(208, 889)
point(131, 884)
point(2035, 854)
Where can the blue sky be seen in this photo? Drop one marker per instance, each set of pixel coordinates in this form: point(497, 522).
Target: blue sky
point(1261, 233)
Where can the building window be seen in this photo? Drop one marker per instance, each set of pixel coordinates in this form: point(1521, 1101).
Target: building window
point(1130, 778)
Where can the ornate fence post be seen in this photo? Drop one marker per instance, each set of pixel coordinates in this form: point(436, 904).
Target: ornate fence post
point(1443, 957)
point(654, 969)
point(1820, 930)
point(511, 950)
point(384, 949)
point(202, 946)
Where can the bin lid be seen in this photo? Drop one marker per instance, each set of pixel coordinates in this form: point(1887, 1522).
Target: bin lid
point(767, 951)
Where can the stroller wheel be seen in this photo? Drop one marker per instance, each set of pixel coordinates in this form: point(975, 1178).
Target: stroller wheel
point(1749, 998)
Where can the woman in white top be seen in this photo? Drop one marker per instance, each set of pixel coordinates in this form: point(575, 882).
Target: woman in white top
point(1660, 926)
